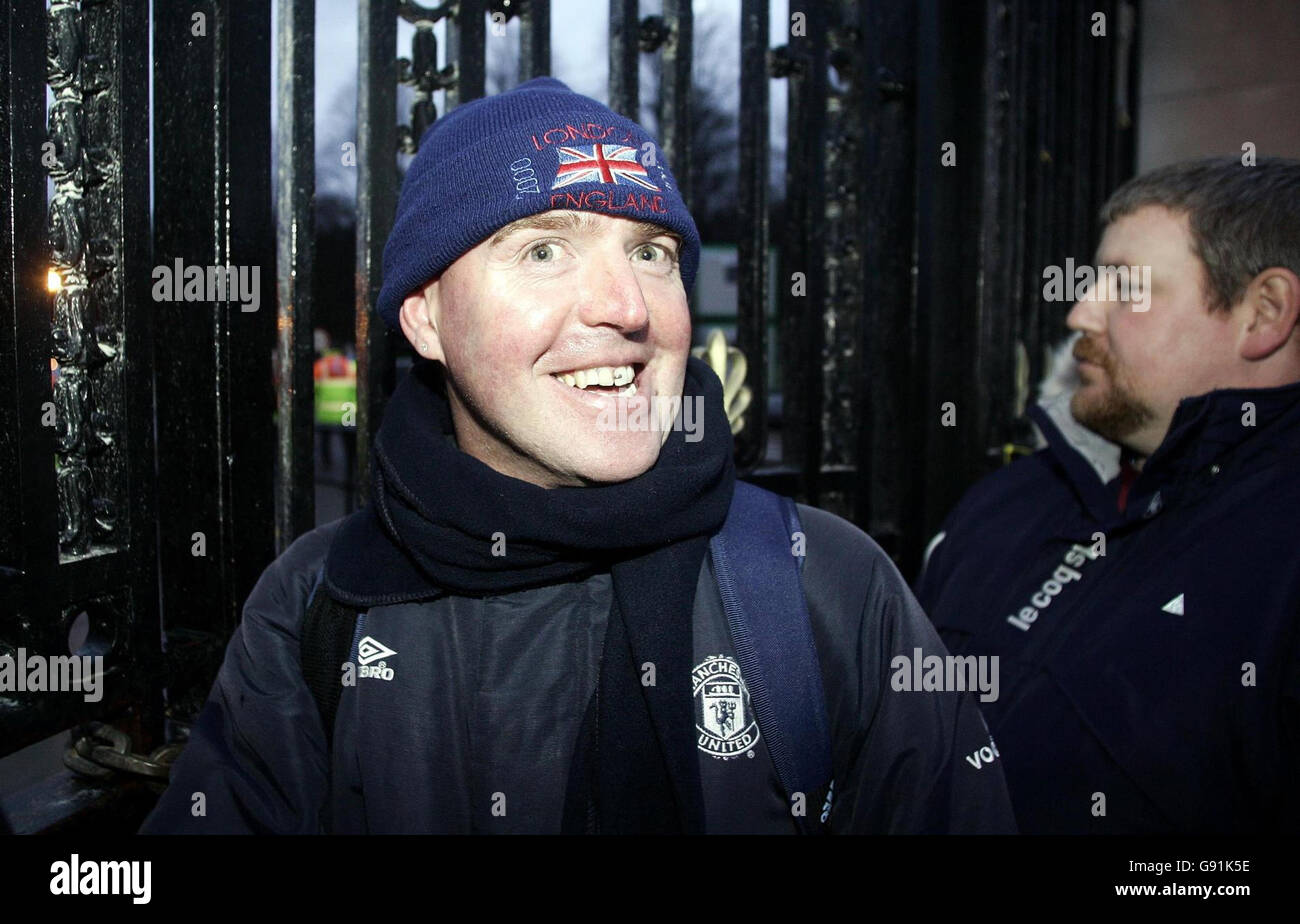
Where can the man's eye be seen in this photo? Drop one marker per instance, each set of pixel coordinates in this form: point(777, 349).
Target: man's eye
point(544, 249)
point(654, 249)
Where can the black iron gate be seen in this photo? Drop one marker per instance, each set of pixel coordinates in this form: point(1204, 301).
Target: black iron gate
point(77, 544)
point(157, 443)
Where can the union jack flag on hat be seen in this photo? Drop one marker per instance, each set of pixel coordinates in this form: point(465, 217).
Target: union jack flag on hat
point(600, 163)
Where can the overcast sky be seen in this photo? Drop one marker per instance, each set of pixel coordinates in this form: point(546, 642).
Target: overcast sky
point(579, 57)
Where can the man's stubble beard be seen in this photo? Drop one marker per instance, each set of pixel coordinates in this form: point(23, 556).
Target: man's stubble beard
point(1117, 413)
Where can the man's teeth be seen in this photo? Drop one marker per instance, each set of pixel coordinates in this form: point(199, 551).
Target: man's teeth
point(601, 375)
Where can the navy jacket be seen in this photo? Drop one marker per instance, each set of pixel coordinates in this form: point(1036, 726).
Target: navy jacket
point(1155, 687)
point(467, 724)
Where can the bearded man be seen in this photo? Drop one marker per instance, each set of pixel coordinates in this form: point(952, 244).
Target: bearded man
point(1139, 578)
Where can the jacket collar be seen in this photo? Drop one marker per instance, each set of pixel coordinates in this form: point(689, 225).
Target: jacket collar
point(1230, 428)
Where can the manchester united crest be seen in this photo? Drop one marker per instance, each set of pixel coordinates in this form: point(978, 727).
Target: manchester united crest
point(724, 718)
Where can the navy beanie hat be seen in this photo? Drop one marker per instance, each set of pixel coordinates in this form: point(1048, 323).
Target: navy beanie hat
point(534, 148)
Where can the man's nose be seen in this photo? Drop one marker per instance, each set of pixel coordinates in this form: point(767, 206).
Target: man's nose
point(1086, 315)
point(612, 294)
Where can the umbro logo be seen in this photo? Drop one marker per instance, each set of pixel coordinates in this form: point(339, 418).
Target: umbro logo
point(370, 651)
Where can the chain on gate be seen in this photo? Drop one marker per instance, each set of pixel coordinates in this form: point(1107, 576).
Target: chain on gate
point(99, 751)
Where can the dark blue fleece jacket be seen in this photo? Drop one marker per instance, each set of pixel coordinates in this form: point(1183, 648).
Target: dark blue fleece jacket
point(1150, 669)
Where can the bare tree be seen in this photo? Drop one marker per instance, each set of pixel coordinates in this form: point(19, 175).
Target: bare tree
point(712, 129)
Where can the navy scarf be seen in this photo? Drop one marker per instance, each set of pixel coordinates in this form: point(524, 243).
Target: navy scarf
point(429, 531)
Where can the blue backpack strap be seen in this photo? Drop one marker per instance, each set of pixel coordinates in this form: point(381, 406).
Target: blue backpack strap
point(759, 580)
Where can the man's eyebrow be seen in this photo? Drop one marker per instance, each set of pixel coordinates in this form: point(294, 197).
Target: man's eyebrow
point(650, 229)
point(568, 221)
point(574, 221)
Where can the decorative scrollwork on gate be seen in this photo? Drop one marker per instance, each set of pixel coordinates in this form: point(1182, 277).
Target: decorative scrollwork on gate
point(420, 71)
point(84, 229)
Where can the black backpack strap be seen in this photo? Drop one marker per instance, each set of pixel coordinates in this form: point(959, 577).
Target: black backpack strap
point(761, 586)
point(326, 643)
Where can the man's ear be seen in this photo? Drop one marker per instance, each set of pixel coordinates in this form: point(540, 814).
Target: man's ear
point(1270, 311)
point(418, 316)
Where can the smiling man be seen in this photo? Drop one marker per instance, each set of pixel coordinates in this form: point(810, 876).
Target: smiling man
point(527, 379)
point(1140, 577)
point(543, 622)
